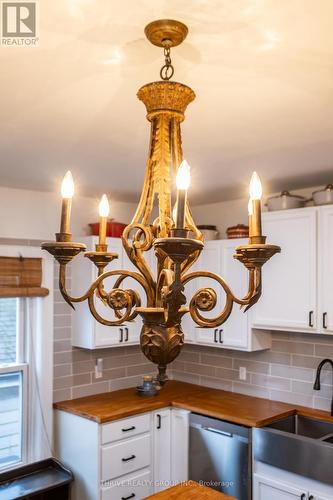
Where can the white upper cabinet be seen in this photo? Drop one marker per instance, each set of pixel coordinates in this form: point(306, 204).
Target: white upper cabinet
point(216, 257)
point(325, 266)
point(209, 260)
point(235, 333)
point(86, 331)
point(289, 295)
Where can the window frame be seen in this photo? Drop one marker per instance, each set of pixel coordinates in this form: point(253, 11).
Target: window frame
point(37, 415)
point(23, 368)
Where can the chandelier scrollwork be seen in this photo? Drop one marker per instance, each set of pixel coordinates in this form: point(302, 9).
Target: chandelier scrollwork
point(174, 238)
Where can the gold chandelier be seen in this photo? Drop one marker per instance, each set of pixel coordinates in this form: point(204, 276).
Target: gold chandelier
point(176, 240)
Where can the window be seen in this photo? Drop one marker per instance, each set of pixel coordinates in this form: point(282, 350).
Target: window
point(13, 374)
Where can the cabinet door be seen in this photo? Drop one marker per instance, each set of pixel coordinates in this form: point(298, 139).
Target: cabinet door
point(162, 449)
point(109, 335)
point(188, 325)
point(132, 328)
point(266, 489)
point(316, 496)
point(179, 445)
point(289, 297)
point(86, 331)
point(326, 269)
point(235, 330)
point(210, 260)
point(136, 486)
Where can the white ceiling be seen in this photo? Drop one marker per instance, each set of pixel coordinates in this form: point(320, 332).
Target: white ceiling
point(262, 71)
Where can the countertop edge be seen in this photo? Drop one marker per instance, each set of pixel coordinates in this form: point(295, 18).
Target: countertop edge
point(187, 400)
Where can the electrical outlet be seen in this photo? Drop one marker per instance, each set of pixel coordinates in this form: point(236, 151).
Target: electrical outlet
point(242, 373)
point(99, 368)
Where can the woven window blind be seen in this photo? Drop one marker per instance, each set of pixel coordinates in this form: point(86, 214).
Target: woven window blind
point(21, 277)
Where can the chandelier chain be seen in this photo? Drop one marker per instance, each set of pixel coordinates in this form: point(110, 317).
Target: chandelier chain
point(167, 69)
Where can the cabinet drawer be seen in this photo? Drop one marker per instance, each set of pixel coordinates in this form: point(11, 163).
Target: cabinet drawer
point(125, 428)
point(125, 456)
point(135, 486)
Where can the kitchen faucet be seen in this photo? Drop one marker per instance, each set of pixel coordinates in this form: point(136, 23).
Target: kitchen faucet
point(316, 385)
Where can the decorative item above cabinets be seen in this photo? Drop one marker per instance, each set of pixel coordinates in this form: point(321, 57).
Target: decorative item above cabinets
point(298, 283)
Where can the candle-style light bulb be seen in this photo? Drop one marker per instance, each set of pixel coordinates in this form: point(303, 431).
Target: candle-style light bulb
point(67, 192)
point(183, 176)
point(254, 208)
point(250, 207)
point(183, 183)
point(104, 206)
point(255, 187)
point(67, 185)
point(104, 210)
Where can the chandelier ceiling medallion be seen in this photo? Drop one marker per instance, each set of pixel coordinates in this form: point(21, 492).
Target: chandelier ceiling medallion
point(173, 235)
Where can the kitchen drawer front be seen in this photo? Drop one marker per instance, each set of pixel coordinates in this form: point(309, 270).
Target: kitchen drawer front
point(138, 484)
point(125, 456)
point(125, 428)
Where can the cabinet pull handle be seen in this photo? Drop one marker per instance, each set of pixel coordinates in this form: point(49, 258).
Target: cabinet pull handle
point(311, 319)
point(128, 498)
point(129, 429)
point(128, 458)
point(217, 431)
point(220, 336)
point(215, 335)
point(126, 331)
point(159, 420)
point(324, 323)
point(121, 334)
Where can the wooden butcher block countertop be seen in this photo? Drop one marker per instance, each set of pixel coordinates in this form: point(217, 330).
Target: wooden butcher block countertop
point(230, 406)
point(189, 490)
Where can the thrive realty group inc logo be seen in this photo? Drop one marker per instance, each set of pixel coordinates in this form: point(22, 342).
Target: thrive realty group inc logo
point(19, 24)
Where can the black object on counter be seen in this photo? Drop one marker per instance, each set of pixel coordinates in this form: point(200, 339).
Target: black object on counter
point(44, 480)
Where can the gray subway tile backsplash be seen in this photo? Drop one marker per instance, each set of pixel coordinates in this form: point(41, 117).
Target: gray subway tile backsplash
point(285, 372)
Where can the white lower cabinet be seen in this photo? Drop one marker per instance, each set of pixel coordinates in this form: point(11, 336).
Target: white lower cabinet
point(135, 486)
point(171, 445)
point(270, 483)
point(126, 456)
point(162, 449)
point(265, 488)
point(180, 432)
point(126, 459)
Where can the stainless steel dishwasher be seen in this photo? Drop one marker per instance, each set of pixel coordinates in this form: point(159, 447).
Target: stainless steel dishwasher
point(220, 456)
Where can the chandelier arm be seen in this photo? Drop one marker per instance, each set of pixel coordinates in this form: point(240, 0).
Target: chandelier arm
point(135, 254)
point(124, 317)
point(251, 289)
point(96, 284)
point(133, 294)
point(63, 290)
point(205, 300)
point(257, 288)
point(165, 280)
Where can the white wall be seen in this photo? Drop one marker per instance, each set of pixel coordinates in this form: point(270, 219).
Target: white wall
point(229, 213)
point(36, 215)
